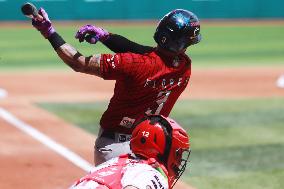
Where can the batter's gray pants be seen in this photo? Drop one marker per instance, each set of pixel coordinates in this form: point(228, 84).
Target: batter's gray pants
point(107, 148)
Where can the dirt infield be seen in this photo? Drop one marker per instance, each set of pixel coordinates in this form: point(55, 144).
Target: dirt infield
point(26, 163)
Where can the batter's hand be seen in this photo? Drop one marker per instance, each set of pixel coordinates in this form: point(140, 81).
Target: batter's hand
point(91, 34)
point(44, 25)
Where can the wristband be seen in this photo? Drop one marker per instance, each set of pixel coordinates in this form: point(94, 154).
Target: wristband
point(56, 40)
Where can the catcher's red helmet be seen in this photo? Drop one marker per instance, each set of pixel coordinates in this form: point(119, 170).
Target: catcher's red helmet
point(165, 140)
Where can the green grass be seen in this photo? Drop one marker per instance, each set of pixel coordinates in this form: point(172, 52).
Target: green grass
point(236, 144)
point(24, 48)
point(87, 116)
point(240, 46)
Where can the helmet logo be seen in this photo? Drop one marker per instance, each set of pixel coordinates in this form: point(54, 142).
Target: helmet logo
point(196, 30)
point(181, 20)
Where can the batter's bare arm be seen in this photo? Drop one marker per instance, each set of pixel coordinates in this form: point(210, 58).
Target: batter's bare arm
point(78, 62)
point(66, 52)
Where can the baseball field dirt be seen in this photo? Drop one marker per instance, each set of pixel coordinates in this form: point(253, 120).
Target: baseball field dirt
point(28, 164)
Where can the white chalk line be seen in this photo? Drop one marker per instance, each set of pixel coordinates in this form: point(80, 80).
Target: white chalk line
point(44, 139)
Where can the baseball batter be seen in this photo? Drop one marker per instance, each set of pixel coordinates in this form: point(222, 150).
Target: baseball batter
point(154, 165)
point(146, 83)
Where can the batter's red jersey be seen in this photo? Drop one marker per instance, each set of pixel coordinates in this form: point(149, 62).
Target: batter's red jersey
point(145, 83)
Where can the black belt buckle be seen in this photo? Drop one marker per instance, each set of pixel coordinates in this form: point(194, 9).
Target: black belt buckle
point(118, 137)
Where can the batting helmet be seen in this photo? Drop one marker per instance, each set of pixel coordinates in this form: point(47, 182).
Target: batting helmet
point(177, 30)
point(165, 140)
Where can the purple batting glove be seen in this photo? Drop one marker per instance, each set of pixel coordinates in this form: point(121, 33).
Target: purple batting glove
point(91, 34)
point(44, 25)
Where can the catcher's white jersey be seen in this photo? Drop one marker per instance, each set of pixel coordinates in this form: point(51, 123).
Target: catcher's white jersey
point(143, 176)
point(118, 173)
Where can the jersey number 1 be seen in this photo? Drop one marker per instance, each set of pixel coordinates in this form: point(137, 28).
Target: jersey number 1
point(162, 98)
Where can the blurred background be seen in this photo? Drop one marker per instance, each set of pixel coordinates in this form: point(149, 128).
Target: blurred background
point(233, 109)
point(132, 9)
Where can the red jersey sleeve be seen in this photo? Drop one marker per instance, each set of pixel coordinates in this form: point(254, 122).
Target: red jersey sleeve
point(117, 66)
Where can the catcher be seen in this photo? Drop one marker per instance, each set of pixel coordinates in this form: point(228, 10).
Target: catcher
point(161, 151)
point(149, 80)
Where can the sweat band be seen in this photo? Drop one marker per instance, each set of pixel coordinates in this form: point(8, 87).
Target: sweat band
point(56, 40)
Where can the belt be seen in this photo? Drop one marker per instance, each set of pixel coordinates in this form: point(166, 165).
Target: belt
point(118, 137)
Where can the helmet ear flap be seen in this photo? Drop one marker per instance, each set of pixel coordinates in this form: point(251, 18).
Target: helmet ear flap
point(162, 38)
